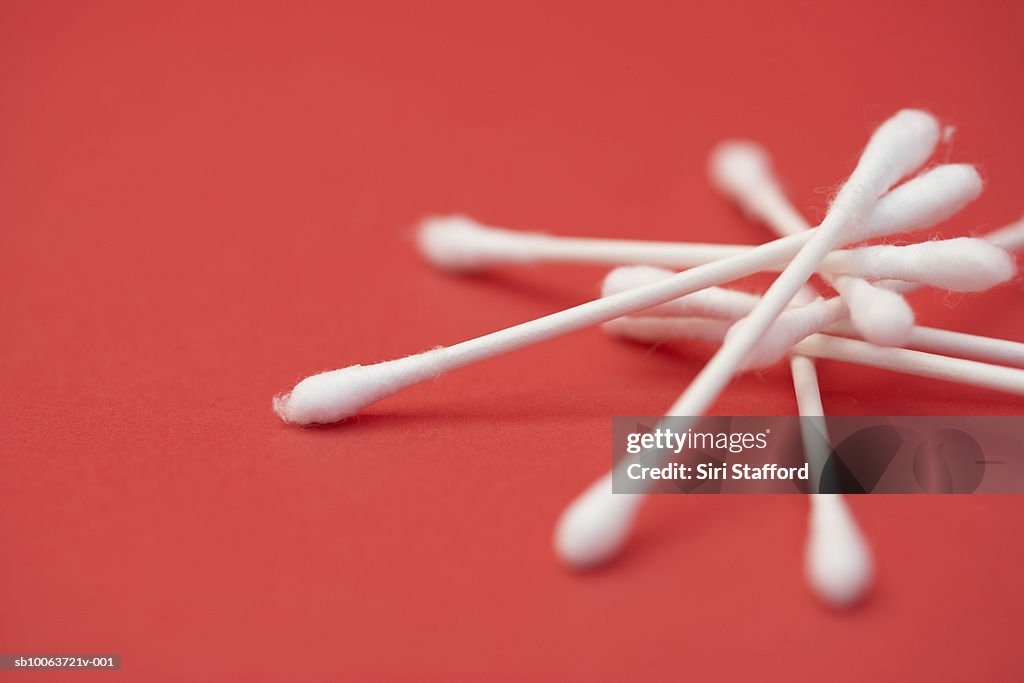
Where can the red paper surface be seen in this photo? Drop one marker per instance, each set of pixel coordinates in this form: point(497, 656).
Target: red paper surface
point(202, 203)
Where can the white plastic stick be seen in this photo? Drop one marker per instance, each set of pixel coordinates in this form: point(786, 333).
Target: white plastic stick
point(338, 394)
point(897, 148)
point(837, 559)
point(743, 172)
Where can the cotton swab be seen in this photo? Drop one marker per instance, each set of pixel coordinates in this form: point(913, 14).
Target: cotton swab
point(338, 394)
point(732, 305)
point(897, 148)
point(905, 361)
point(462, 244)
point(459, 243)
point(937, 259)
point(1009, 238)
point(742, 171)
point(988, 266)
point(837, 559)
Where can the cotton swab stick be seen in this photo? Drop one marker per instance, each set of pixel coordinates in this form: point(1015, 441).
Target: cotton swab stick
point(905, 361)
point(338, 394)
point(742, 171)
point(897, 148)
point(837, 559)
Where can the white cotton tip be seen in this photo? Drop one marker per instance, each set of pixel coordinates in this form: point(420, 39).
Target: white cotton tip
point(459, 243)
point(1009, 237)
point(740, 168)
point(627, 277)
point(897, 148)
point(595, 526)
point(712, 302)
point(963, 264)
point(340, 394)
point(923, 201)
point(838, 560)
point(881, 316)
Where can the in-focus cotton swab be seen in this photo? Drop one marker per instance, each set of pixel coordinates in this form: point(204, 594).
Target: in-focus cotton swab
point(837, 559)
point(897, 148)
point(797, 322)
point(742, 171)
point(905, 361)
point(338, 394)
point(961, 264)
point(732, 305)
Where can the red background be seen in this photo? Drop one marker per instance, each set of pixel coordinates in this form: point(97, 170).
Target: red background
point(202, 203)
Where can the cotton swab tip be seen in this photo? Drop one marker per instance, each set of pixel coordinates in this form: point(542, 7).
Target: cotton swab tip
point(627, 277)
point(339, 394)
point(838, 560)
point(974, 265)
point(963, 264)
point(899, 147)
point(461, 244)
point(923, 201)
point(739, 168)
point(595, 526)
point(880, 315)
point(328, 396)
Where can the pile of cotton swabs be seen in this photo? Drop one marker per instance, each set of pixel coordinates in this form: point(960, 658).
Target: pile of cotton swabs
point(867, 322)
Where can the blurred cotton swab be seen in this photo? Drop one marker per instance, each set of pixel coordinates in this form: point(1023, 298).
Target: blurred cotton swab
point(897, 148)
point(923, 262)
point(742, 171)
point(338, 394)
point(459, 243)
point(837, 559)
